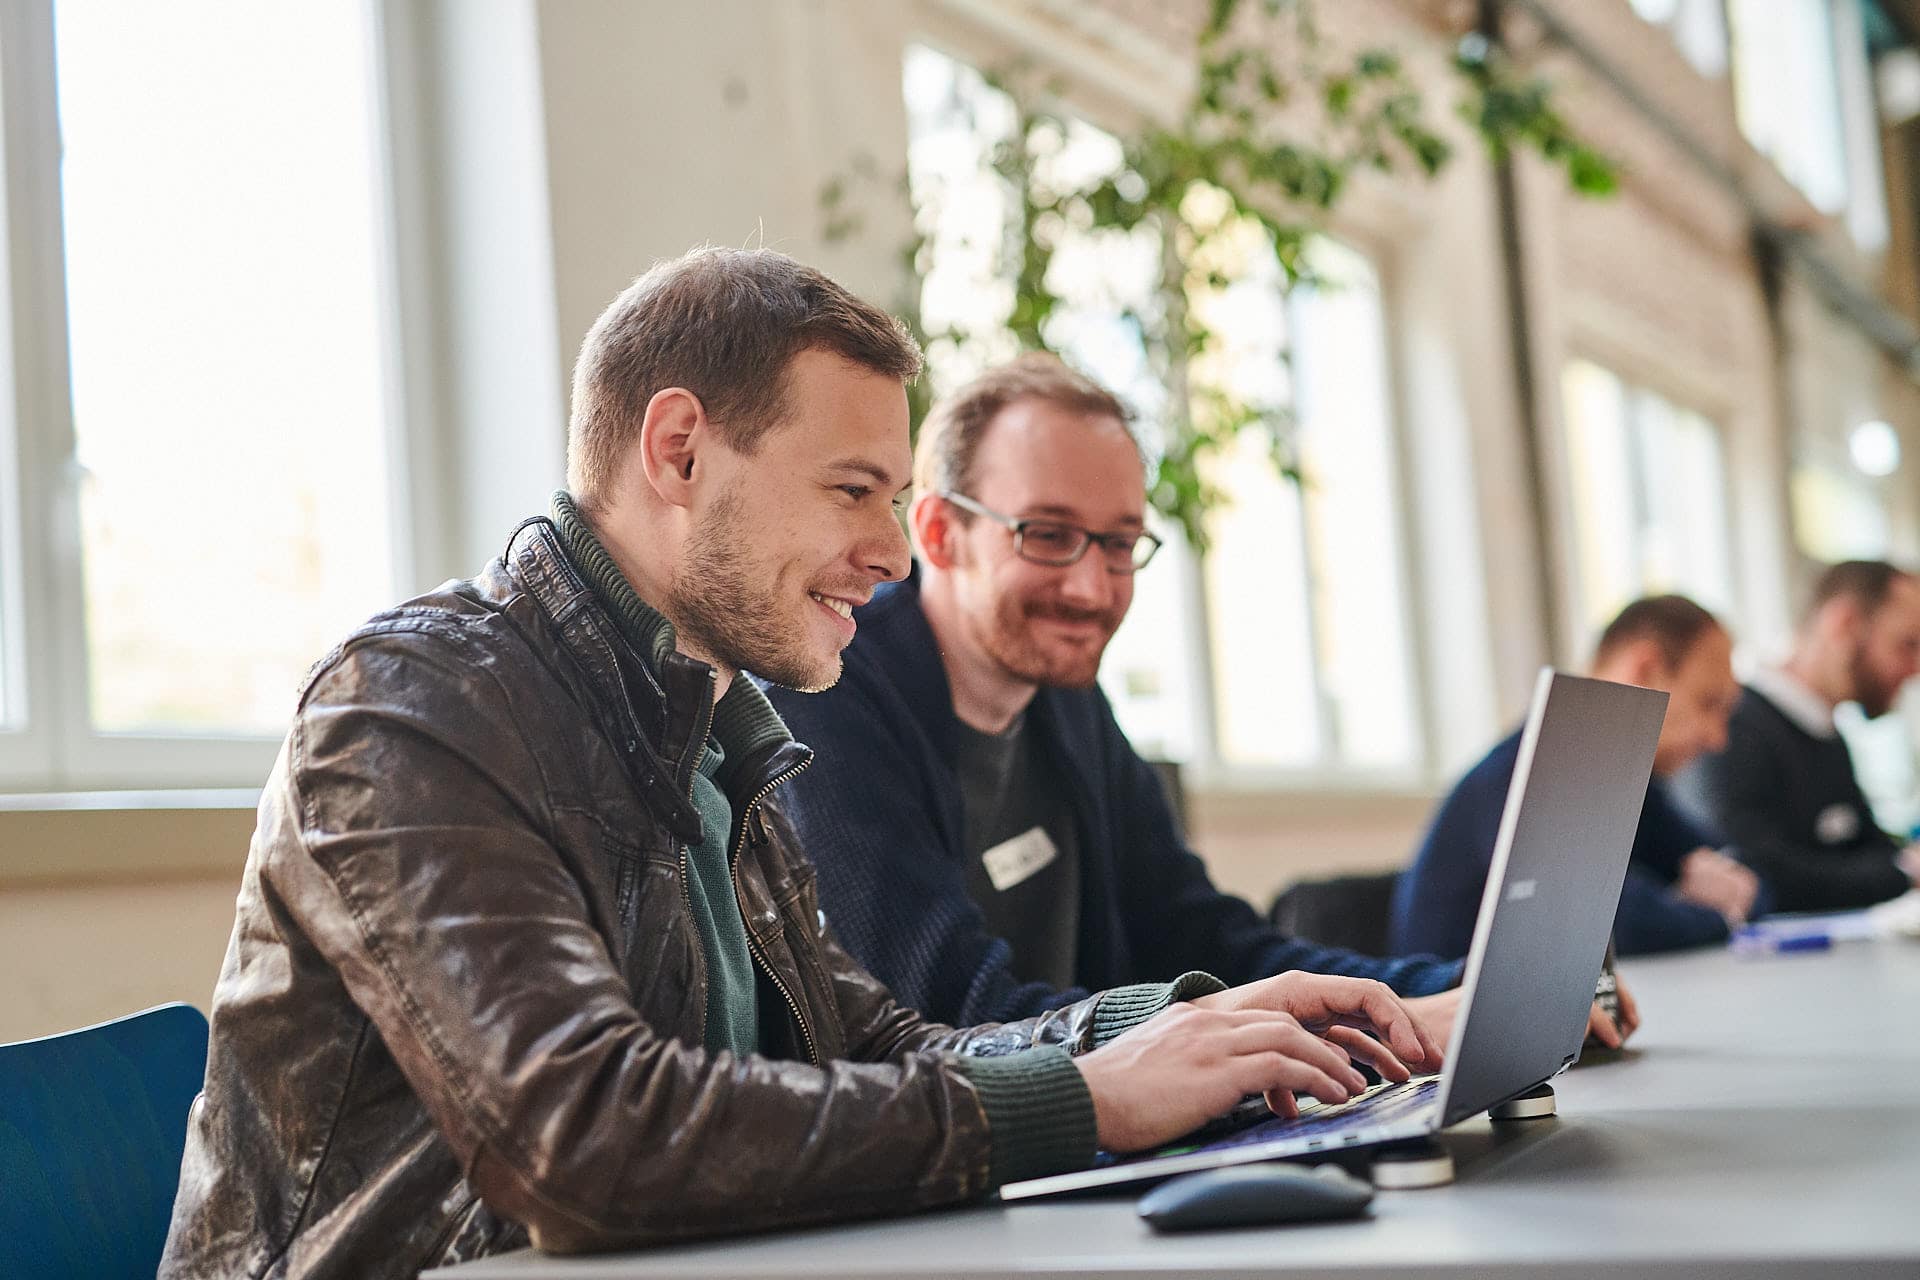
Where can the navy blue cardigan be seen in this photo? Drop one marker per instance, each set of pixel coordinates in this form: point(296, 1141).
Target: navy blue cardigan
point(879, 813)
point(1437, 901)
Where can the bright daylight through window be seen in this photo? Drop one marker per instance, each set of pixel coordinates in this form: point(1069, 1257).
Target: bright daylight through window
point(1649, 488)
point(222, 217)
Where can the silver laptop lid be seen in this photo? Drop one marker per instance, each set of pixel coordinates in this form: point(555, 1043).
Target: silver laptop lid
point(1565, 837)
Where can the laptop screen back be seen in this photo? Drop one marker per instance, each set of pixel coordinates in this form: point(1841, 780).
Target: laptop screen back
point(1565, 837)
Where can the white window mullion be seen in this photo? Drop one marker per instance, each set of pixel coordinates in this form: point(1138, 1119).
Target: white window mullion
point(40, 428)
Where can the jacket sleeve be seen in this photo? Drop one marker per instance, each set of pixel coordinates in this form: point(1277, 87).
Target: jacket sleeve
point(418, 855)
point(1178, 920)
point(1740, 790)
point(1652, 918)
point(1437, 902)
point(870, 814)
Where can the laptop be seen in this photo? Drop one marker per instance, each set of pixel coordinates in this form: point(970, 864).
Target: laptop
point(1586, 755)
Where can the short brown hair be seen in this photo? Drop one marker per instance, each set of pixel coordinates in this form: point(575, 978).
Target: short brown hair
point(951, 435)
point(724, 324)
point(1674, 623)
point(1865, 582)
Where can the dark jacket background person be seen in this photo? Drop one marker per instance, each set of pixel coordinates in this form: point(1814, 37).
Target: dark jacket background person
point(881, 814)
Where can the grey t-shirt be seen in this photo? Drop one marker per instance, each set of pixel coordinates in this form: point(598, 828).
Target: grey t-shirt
point(1023, 852)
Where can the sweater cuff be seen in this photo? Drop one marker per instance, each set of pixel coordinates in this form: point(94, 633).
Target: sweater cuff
point(1039, 1112)
point(1124, 1008)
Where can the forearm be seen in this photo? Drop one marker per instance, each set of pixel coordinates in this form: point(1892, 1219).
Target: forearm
point(1651, 919)
point(1805, 879)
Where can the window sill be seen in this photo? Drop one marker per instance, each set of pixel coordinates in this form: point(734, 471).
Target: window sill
point(1328, 804)
point(68, 837)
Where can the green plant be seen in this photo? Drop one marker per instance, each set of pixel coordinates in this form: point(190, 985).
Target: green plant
point(1276, 126)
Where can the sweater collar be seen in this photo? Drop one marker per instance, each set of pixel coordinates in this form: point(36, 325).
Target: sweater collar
point(1805, 708)
point(744, 722)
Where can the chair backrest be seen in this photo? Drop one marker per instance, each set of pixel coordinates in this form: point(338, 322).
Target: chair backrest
point(1344, 911)
point(92, 1124)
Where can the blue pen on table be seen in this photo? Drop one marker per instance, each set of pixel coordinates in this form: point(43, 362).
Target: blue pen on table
point(1756, 939)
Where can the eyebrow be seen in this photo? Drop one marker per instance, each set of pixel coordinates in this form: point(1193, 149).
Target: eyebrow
point(1056, 511)
point(881, 477)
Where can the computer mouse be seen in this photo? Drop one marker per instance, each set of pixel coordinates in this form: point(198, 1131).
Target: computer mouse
point(1246, 1195)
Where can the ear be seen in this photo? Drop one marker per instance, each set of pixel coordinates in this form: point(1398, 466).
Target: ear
point(1839, 617)
point(673, 433)
point(934, 530)
point(1642, 664)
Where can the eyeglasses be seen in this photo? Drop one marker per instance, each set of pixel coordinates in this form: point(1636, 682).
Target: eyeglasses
point(1052, 542)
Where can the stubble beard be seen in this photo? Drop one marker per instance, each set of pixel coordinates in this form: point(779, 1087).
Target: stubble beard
point(1008, 641)
point(1869, 690)
point(726, 603)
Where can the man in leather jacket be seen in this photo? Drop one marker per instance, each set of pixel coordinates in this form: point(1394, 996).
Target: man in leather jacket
point(522, 954)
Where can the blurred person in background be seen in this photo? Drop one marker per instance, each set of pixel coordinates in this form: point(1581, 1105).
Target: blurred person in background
point(1679, 890)
point(988, 841)
point(1783, 790)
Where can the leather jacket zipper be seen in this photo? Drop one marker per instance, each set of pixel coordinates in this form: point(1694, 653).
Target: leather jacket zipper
point(766, 965)
point(703, 727)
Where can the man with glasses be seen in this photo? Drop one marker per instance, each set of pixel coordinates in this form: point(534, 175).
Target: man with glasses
point(988, 842)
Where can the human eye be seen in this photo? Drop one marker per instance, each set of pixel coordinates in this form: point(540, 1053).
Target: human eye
point(854, 491)
point(1059, 539)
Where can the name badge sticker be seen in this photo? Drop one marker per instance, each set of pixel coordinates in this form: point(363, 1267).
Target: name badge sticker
point(1011, 861)
point(1837, 824)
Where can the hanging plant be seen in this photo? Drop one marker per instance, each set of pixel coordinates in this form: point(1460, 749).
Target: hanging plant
point(1265, 147)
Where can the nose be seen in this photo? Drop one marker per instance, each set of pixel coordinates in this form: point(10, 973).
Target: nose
point(1086, 582)
point(886, 554)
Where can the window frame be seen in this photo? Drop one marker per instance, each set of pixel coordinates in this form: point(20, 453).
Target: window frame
point(56, 748)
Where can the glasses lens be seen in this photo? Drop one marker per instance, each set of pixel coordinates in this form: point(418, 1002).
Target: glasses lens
point(1052, 543)
point(1143, 548)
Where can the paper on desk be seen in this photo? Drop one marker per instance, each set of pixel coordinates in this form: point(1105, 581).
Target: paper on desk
point(1898, 918)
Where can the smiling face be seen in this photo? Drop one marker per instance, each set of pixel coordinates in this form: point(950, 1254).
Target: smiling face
point(795, 535)
point(1042, 624)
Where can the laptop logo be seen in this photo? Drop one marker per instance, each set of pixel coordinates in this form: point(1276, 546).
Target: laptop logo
point(1521, 890)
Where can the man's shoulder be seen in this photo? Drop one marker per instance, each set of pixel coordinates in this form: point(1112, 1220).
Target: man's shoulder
point(469, 650)
point(1492, 773)
point(1755, 710)
point(1759, 727)
point(453, 617)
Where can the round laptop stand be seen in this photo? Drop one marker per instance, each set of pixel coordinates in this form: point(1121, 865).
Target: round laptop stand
point(1535, 1104)
point(1410, 1166)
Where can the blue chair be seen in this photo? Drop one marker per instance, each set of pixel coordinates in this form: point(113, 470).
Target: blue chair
point(92, 1124)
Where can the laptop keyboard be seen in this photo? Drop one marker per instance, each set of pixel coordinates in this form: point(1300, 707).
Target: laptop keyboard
point(1381, 1104)
point(1251, 1122)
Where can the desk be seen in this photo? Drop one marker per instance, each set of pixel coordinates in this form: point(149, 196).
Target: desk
point(1766, 1122)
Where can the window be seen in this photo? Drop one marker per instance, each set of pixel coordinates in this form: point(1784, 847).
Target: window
point(1649, 493)
point(1698, 28)
point(220, 444)
point(1803, 90)
point(1838, 513)
point(1283, 651)
point(1305, 597)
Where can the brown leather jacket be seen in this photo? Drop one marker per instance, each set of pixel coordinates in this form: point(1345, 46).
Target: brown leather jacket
point(464, 999)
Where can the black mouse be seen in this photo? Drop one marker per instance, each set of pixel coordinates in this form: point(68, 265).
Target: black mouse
point(1254, 1195)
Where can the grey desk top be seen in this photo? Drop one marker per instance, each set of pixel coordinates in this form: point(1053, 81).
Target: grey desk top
point(1766, 1122)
